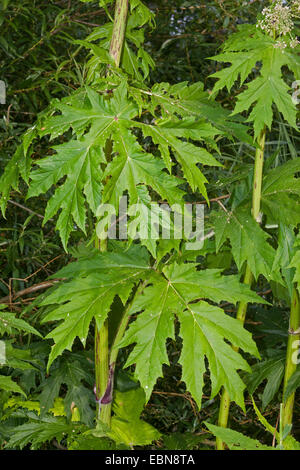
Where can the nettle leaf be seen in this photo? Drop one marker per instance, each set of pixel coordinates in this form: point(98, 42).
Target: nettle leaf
point(88, 295)
point(203, 329)
point(248, 242)
point(244, 50)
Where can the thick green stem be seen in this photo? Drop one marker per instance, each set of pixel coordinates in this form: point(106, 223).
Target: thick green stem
point(101, 367)
point(248, 277)
point(122, 326)
point(102, 359)
point(117, 40)
point(291, 363)
point(258, 173)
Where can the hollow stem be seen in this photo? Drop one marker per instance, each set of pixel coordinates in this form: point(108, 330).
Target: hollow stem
point(248, 276)
point(122, 326)
point(102, 359)
point(117, 40)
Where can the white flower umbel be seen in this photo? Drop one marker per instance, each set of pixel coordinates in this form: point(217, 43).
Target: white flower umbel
point(277, 19)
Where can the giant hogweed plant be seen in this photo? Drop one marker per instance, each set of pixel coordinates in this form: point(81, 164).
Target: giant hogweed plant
point(106, 126)
point(269, 45)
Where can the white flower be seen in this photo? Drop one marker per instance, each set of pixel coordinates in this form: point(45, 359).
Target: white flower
point(277, 18)
point(294, 43)
point(280, 45)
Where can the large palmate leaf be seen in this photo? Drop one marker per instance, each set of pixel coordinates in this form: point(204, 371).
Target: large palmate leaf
point(84, 171)
point(248, 242)
point(88, 107)
point(88, 295)
point(132, 166)
point(79, 160)
point(244, 50)
point(203, 329)
point(187, 154)
point(191, 100)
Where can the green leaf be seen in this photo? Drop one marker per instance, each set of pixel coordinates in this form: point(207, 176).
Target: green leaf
point(6, 383)
point(284, 254)
point(192, 100)
point(126, 425)
point(179, 441)
point(87, 442)
point(271, 370)
point(187, 154)
point(89, 295)
point(203, 329)
point(16, 357)
point(264, 91)
point(39, 431)
point(248, 242)
point(280, 194)
point(79, 161)
point(292, 385)
point(10, 324)
point(235, 440)
point(244, 50)
point(68, 372)
point(132, 166)
point(9, 180)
